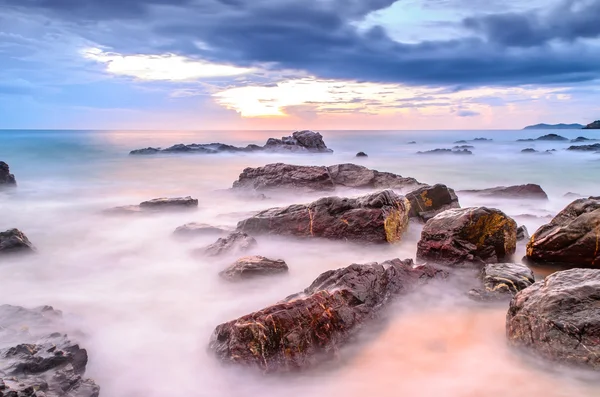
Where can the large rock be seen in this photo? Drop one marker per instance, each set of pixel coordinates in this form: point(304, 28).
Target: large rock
point(320, 178)
point(156, 205)
point(376, 218)
point(36, 364)
point(503, 281)
point(529, 191)
point(558, 318)
point(585, 148)
point(6, 178)
point(593, 126)
point(468, 236)
point(299, 142)
point(428, 201)
point(254, 266)
point(311, 326)
point(571, 238)
point(14, 241)
point(235, 243)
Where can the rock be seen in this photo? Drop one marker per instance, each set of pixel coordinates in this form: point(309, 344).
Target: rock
point(299, 142)
point(468, 236)
point(503, 281)
point(234, 243)
point(460, 142)
point(529, 150)
point(36, 364)
point(483, 139)
point(156, 205)
point(548, 137)
point(561, 126)
point(558, 318)
point(593, 126)
point(571, 238)
point(585, 148)
point(253, 266)
point(197, 229)
point(573, 195)
point(446, 151)
point(361, 154)
point(308, 328)
point(319, 178)
point(428, 201)
point(522, 233)
point(14, 241)
point(380, 217)
point(580, 139)
point(6, 178)
point(411, 143)
point(463, 147)
point(529, 191)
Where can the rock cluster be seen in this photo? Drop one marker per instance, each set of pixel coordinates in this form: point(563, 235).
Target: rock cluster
point(447, 151)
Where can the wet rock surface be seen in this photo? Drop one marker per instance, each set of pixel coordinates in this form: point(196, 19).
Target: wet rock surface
point(198, 229)
point(234, 243)
point(428, 201)
point(558, 318)
point(320, 178)
point(37, 363)
point(14, 241)
point(6, 178)
point(156, 205)
point(308, 328)
point(468, 237)
point(502, 281)
point(571, 238)
point(254, 266)
point(380, 217)
point(299, 142)
point(529, 191)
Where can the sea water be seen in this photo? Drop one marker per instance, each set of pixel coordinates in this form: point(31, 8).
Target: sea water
point(146, 308)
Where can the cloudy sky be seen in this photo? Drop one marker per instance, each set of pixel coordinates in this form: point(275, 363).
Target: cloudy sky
point(290, 64)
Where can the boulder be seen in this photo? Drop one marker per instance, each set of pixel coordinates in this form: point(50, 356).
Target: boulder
point(380, 217)
point(308, 328)
point(585, 148)
point(6, 178)
point(529, 191)
point(156, 205)
point(198, 229)
point(502, 281)
point(254, 266)
point(14, 241)
point(558, 318)
point(361, 154)
point(571, 238)
point(235, 243)
point(428, 201)
point(548, 137)
point(281, 176)
point(522, 233)
point(468, 237)
point(593, 126)
point(36, 364)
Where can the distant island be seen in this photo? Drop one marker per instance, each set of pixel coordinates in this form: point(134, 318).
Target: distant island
point(593, 126)
point(555, 127)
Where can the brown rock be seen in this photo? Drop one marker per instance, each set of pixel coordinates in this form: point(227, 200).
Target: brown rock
point(309, 327)
point(468, 236)
point(14, 241)
point(529, 191)
point(571, 238)
point(428, 201)
point(253, 266)
point(156, 205)
point(235, 243)
point(558, 318)
point(376, 218)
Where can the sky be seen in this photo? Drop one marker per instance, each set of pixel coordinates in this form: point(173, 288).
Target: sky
point(298, 64)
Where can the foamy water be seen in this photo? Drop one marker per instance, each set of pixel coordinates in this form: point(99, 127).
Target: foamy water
point(147, 308)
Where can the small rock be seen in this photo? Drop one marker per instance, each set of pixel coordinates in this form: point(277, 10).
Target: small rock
point(411, 143)
point(14, 241)
point(522, 233)
point(361, 154)
point(529, 150)
point(529, 191)
point(460, 142)
point(197, 229)
point(503, 281)
point(235, 243)
point(254, 266)
point(6, 178)
point(428, 201)
point(548, 137)
point(156, 205)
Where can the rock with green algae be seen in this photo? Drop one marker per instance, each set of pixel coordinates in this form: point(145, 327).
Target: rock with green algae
point(309, 327)
point(380, 217)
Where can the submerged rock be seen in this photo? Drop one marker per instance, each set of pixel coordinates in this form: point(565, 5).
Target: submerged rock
point(529, 191)
point(548, 137)
point(14, 241)
point(411, 143)
point(299, 142)
point(503, 281)
point(33, 363)
point(320, 178)
point(361, 154)
point(482, 140)
point(156, 205)
point(571, 238)
point(468, 236)
point(460, 142)
point(447, 151)
point(235, 243)
point(585, 148)
point(529, 150)
point(254, 266)
point(309, 327)
point(463, 147)
point(522, 233)
point(197, 229)
point(380, 217)
point(558, 318)
point(582, 139)
point(6, 178)
point(428, 201)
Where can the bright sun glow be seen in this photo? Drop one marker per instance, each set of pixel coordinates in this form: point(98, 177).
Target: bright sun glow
point(166, 67)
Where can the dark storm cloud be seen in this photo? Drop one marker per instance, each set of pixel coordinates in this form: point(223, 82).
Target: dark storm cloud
point(320, 37)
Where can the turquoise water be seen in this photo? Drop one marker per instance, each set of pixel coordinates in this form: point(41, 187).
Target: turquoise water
point(147, 308)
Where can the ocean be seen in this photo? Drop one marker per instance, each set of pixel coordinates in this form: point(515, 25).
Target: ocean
point(146, 308)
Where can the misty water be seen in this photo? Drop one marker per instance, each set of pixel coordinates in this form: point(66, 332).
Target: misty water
point(146, 308)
